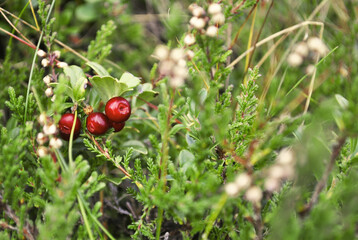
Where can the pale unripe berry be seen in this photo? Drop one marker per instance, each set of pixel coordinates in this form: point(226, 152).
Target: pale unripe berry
point(214, 8)
point(41, 53)
point(192, 6)
point(50, 129)
point(231, 189)
point(197, 23)
point(180, 72)
point(45, 62)
point(42, 151)
point(41, 138)
point(161, 52)
point(53, 98)
point(302, 49)
point(61, 65)
point(181, 63)
point(254, 194)
point(343, 71)
point(198, 11)
point(218, 19)
point(55, 142)
point(276, 171)
point(166, 67)
point(57, 53)
point(272, 184)
point(243, 181)
point(294, 59)
point(189, 39)
point(317, 45)
point(289, 171)
point(193, 20)
point(49, 92)
point(47, 79)
point(175, 82)
point(212, 31)
point(177, 54)
point(285, 157)
point(190, 54)
point(42, 118)
point(310, 69)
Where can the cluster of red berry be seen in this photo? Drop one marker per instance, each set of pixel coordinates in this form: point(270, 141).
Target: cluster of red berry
point(117, 109)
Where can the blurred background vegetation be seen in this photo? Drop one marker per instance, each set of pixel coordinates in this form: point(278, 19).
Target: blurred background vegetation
point(136, 27)
point(142, 25)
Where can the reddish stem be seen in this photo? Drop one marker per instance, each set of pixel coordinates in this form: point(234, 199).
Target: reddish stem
point(106, 154)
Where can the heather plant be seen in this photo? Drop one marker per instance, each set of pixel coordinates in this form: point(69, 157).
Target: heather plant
point(178, 120)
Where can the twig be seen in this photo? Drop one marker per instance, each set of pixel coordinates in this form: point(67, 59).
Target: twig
point(273, 36)
point(322, 183)
point(17, 38)
point(26, 228)
point(201, 75)
point(34, 60)
point(238, 6)
point(17, 18)
point(68, 48)
point(228, 40)
point(117, 208)
point(107, 155)
point(257, 222)
point(268, 53)
point(15, 28)
point(65, 46)
point(7, 226)
point(260, 31)
point(240, 29)
point(251, 33)
point(34, 15)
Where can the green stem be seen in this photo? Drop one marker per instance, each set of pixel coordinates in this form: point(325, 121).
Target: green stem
point(61, 160)
point(159, 222)
point(83, 212)
point(17, 21)
point(37, 100)
point(70, 158)
point(165, 151)
point(165, 147)
point(94, 218)
point(213, 216)
point(164, 163)
point(34, 60)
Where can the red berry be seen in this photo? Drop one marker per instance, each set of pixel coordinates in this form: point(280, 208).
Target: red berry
point(118, 126)
point(97, 123)
point(118, 109)
point(65, 126)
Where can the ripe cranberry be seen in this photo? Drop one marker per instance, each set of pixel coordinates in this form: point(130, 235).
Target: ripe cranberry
point(97, 123)
point(65, 126)
point(118, 126)
point(118, 109)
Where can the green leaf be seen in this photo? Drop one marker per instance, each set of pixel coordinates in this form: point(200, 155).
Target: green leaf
point(203, 93)
point(64, 86)
point(146, 94)
point(108, 87)
point(136, 145)
point(115, 180)
point(162, 118)
point(176, 129)
point(186, 159)
point(130, 80)
point(224, 57)
point(87, 12)
point(343, 102)
point(99, 69)
point(77, 81)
